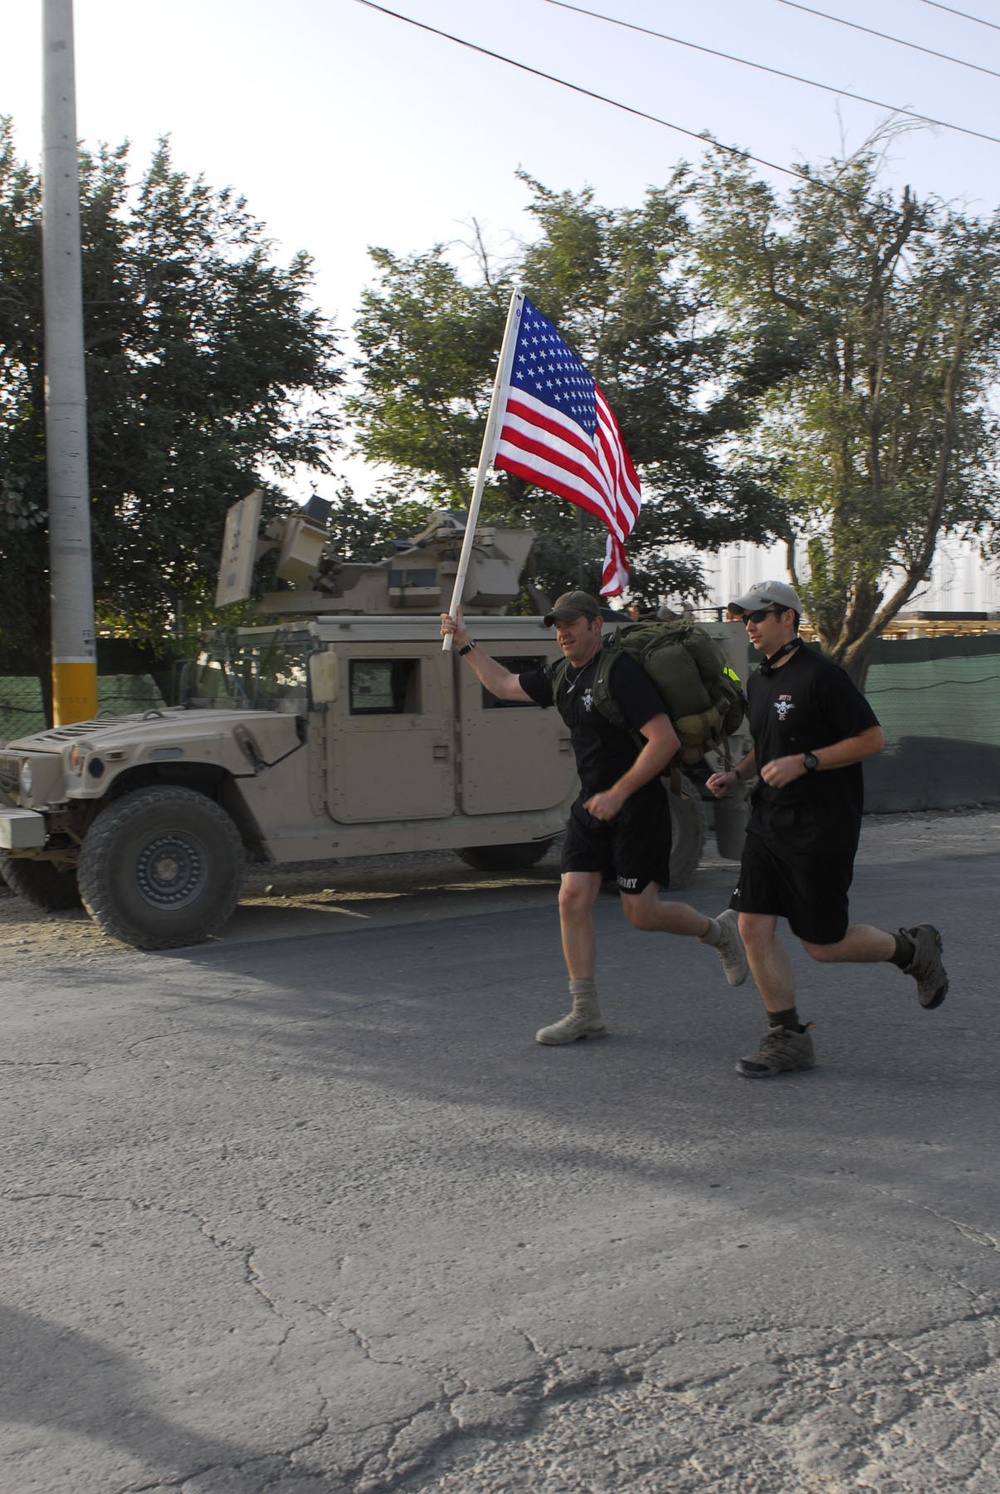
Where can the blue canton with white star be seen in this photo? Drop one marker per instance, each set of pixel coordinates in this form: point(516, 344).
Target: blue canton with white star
point(545, 367)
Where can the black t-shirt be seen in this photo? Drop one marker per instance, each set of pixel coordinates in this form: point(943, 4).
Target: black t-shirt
point(806, 704)
point(603, 751)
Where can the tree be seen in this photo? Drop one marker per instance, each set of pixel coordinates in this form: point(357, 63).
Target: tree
point(867, 329)
point(208, 374)
point(617, 284)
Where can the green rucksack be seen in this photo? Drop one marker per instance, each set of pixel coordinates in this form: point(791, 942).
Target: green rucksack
point(700, 693)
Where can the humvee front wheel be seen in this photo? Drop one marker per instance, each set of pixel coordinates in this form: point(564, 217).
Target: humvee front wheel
point(161, 867)
point(517, 857)
point(43, 884)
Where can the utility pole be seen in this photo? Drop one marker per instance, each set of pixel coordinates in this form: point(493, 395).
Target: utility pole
point(71, 585)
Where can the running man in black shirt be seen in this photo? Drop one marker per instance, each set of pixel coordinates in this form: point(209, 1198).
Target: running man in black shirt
point(811, 731)
point(619, 825)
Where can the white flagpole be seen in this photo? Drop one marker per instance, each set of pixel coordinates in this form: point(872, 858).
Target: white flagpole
point(500, 384)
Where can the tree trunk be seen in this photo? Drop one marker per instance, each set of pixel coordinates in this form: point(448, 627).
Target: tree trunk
point(856, 661)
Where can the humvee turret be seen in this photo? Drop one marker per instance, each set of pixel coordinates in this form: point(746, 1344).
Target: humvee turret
point(342, 730)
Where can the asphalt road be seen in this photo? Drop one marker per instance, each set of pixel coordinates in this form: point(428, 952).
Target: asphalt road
point(308, 1210)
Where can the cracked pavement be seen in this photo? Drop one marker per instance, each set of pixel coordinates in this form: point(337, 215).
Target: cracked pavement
point(306, 1209)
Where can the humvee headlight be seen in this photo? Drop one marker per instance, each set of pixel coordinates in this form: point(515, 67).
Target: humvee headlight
point(27, 777)
point(76, 757)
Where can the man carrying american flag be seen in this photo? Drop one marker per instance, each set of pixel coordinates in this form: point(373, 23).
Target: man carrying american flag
point(619, 824)
point(550, 424)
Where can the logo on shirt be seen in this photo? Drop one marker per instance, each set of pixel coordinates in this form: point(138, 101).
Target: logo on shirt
point(783, 705)
point(587, 699)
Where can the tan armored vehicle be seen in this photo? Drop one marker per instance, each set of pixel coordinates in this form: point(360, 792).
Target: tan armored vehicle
point(345, 731)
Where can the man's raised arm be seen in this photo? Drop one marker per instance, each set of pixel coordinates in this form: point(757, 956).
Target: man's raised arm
point(493, 676)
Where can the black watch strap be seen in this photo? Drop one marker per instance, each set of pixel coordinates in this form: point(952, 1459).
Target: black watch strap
point(466, 650)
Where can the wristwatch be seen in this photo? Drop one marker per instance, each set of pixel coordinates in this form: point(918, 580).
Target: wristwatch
point(810, 761)
point(466, 650)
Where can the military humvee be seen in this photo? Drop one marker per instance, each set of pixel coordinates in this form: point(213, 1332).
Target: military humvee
point(343, 730)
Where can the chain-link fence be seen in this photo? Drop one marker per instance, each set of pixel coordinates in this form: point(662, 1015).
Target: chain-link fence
point(22, 710)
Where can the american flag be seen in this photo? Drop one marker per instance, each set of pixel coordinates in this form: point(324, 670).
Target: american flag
point(557, 431)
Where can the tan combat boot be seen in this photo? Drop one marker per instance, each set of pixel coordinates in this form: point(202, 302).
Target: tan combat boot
point(584, 1021)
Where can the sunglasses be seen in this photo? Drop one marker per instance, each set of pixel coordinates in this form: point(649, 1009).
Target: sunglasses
point(760, 614)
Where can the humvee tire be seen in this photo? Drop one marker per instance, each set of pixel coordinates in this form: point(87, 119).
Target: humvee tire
point(687, 820)
point(41, 883)
point(161, 867)
point(516, 857)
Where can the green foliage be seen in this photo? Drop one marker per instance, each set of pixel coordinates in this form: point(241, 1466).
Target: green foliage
point(208, 374)
point(618, 285)
point(426, 340)
point(866, 331)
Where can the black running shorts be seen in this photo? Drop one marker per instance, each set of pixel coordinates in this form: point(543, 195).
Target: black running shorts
point(631, 850)
point(809, 891)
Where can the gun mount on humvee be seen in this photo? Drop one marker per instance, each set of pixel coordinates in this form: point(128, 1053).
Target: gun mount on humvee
point(340, 730)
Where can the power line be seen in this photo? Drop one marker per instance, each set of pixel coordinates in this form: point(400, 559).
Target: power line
point(589, 93)
point(774, 71)
point(963, 13)
point(899, 41)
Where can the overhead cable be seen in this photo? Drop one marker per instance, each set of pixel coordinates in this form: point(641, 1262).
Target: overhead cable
point(589, 93)
point(899, 41)
point(774, 71)
point(964, 14)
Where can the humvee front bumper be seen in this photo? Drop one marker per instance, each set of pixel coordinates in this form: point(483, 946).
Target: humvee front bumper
point(21, 829)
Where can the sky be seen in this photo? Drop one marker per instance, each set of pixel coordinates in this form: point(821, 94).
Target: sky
point(346, 128)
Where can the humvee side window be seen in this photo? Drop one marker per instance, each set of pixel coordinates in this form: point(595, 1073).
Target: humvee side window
point(384, 687)
point(519, 665)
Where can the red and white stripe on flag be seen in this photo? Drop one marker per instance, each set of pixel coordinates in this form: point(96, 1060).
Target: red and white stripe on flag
point(558, 431)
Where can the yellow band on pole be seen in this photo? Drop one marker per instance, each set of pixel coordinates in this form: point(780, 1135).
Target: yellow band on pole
point(74, 692)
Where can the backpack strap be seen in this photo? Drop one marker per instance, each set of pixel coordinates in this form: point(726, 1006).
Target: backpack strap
point(557, 676)
point(603, 700)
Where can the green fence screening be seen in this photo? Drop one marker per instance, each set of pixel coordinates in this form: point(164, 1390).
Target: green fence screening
point(938, 700)
point(924, 688)
point(22, 711)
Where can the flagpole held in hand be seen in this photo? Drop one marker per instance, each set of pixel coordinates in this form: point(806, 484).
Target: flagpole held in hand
point(486, 454)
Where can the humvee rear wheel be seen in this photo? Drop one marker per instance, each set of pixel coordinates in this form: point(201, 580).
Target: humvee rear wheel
point(517, 857)
point(161, 867)
point(41, 883)
point(687, 822)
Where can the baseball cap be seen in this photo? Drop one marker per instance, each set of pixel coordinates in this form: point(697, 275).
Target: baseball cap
point(767, 594)
point(570, 606)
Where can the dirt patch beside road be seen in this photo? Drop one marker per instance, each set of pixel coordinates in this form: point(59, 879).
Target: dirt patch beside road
point(355, 887)
point(351, 886)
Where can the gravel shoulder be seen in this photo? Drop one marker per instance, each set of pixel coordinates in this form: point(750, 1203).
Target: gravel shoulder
point(302, 898)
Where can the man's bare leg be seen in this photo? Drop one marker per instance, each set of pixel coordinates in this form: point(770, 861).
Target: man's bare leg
point(578, 892)
point(916, 951)
point(861, 945)
point(769, 963)
point(786, 1046)
point(647, 910)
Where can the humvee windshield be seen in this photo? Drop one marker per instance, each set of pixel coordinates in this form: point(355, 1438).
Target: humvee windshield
point(255, 669)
